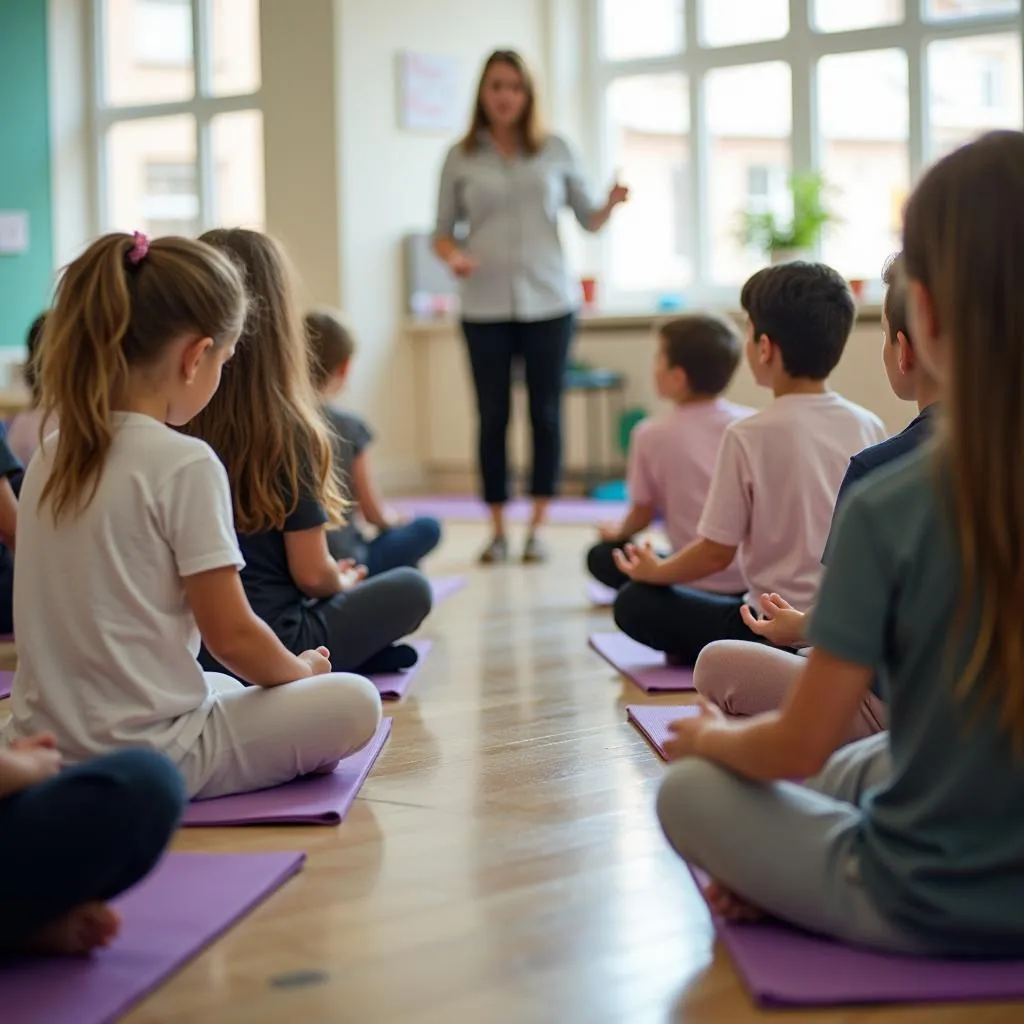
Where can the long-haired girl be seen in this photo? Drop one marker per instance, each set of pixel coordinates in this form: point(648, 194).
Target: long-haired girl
point(909, 840)
point(265, 424)
point(126, 542)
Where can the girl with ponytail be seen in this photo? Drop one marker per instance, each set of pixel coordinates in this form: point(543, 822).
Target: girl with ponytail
point(127, 555)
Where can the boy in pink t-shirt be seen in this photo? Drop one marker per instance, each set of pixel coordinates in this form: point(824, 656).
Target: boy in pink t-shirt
point(775, 483)
point(672, 455)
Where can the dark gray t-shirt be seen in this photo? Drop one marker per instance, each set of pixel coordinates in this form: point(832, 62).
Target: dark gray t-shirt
point(352, 436)
point(941, 845)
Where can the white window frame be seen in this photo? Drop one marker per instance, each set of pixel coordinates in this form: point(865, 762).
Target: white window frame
point(801, 49)
point(204, 106)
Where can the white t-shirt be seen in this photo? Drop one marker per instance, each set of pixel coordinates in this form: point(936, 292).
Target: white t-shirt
point(775, 485)
point(106, 640)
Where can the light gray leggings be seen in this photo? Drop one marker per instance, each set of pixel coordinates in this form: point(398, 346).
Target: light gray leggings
point(784, 847)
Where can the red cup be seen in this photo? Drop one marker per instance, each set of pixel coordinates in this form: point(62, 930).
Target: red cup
point(857, 287)
point(589, 286)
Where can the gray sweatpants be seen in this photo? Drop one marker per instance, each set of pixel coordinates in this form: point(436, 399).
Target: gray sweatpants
point(784, 847)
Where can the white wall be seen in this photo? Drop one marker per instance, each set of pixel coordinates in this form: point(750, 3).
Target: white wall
point(389, 181)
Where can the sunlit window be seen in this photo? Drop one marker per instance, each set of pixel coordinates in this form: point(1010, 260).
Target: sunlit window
point(715, 112)
point(199, 162)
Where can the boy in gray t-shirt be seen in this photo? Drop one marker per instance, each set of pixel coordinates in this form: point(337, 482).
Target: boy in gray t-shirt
point(397, 542)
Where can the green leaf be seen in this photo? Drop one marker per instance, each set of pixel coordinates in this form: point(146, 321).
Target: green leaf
point(811, 215)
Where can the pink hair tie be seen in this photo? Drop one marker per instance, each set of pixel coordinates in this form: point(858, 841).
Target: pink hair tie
point(137, 253)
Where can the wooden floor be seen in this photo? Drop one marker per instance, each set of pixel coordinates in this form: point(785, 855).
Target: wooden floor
point(502, 864)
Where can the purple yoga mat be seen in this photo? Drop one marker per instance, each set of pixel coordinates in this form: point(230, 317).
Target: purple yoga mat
point(395, 685)
point(640, 664)
point(444, 587)
point(313, 800)
point(6, 682)
point(564, 511)
point(599, 595)
point(783, 966)
point(653, 721)
point(185, 904)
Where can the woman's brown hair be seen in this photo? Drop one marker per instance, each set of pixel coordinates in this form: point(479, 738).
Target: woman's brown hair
point(964, 244)
point(531, 131)
point(265, 421)
point(114, 314)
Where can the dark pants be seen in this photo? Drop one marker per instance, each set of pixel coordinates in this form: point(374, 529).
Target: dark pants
point(87, 834)
point(404, 545)
point(601, 564)
point(679, 620)
point(361, 622)
point(543, 348)
point(355, 625)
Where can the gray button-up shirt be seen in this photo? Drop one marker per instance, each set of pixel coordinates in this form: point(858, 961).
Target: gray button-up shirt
point(508, 207)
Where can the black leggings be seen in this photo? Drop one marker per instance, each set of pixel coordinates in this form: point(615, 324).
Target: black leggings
point(543, 348)
point(87, 834)
point(680, 621)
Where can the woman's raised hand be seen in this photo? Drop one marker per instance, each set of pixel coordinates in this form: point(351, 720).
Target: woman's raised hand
point(617, 194)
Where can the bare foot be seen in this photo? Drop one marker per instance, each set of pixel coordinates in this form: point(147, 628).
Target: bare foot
point(730, 906)
point(81, 930)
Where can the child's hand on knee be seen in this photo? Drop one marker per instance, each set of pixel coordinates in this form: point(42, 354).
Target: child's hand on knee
point(781, 624)
point(638, 562)
point(29, 761)
point(318, 662)
point(351, 574)
point(686, 732)
point(727, 904)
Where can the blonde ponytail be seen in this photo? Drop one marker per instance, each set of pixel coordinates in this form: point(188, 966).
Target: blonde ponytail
point(116, 310)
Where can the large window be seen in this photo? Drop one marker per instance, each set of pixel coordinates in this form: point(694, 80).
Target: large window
point(179, 130)
point(708, 108)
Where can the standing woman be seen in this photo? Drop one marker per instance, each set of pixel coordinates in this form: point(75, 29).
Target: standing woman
point(503, 185)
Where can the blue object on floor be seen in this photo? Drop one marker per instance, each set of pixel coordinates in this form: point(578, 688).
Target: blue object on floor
point(613, 490)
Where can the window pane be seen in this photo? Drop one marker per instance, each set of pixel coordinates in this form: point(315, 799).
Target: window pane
point(938, 9)
point(650, 244)
point(641, 28)
point(148, 51)
point(749, 113)
point(845, 15)
point(238, 169)
point(152, 185)
point(974, 84)
point(728, 22)
point(864, 120)
point(234, 46)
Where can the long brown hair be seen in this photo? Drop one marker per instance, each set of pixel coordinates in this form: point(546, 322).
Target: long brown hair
point(531, 130)
point(113, 315)
point(265, 421)
point(964, 244)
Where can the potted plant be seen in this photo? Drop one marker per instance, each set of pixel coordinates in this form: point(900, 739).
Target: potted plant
point(784, 239)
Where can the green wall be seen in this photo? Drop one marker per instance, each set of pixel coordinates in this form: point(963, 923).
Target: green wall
point(25, 280)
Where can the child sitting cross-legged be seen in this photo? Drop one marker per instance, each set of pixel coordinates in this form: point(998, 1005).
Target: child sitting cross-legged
point(127, 553)
point(398, 542)
point(109, 821)
point(672, 455)
point(909, 841)
point(265, 424)
point(749, 678)
point(775, 483)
